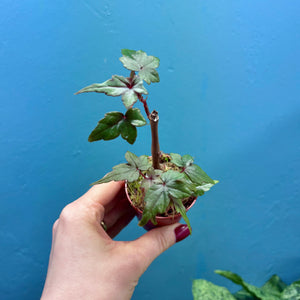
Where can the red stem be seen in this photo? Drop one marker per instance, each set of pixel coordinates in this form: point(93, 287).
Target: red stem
point(142, 174)
point(144, 101)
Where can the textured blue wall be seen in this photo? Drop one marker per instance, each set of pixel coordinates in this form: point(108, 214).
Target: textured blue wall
point(229, 96)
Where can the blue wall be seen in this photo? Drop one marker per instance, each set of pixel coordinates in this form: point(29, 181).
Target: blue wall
point(229, 96)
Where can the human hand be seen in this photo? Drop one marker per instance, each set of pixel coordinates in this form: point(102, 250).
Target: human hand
point(85, 263)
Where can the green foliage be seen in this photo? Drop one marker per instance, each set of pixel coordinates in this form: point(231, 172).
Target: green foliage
point(264, 294)
point(273, 289)
point(292, 292)
point(115, 123)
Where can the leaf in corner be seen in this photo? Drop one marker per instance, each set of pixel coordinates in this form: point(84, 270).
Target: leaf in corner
point(274, 284)
point(205, 290)
point(259, 293)
point(142, 63)
point(292, 292)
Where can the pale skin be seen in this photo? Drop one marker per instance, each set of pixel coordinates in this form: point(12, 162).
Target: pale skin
point(85, 263)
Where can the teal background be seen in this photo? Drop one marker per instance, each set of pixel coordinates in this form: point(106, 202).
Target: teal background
point(229, 96)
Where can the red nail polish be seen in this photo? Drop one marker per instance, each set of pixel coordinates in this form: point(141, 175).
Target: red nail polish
point(181, 232)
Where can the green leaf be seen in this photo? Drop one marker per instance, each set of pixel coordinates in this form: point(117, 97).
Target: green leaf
point(157, 201)
point(244, 295)
point(181, 161)
point(141, 163)
point(292, 292)
point(171, 185)
point(274, 284)
point(119, 173)
point(129, 171)
point(140, 62)
point(251, 289)
point(193, 171)
point(177, 160)
point(197, 175)
point(177, 185)
point(127, 52)
point(128, 131)
point(152, 176)
point(135, 117)
point(180, 208)
point(107, 128)
point(205, 290)
point(119, 86)
point(187, 160)
point(201, 189)
point(115, 123)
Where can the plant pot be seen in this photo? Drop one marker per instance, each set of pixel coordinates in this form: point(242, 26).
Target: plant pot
point(161, 221)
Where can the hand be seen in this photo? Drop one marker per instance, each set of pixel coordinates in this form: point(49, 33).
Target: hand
point(85, 263)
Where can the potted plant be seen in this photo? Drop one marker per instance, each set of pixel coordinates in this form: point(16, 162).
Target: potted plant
point(161, 187)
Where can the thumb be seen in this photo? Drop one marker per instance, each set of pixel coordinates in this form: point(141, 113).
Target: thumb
point(156, 241)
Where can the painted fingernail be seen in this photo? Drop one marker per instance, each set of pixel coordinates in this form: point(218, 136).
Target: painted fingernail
point(181, 232)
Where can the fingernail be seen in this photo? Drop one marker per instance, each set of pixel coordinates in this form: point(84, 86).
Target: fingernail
point(181, 232)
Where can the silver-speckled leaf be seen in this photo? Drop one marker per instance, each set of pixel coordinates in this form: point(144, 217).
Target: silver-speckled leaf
point(142, 63)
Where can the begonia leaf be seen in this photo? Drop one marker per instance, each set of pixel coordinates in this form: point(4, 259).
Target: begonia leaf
point(142, 63)
point(180, 208)
point(193, 171)
point(129, 171)
point(115, 123)
point(119, 86)
point(171, 185)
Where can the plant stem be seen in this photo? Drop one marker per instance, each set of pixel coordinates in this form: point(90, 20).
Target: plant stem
point(142, 174)
point(153, 117)
point(144, 101)
point(132, 74)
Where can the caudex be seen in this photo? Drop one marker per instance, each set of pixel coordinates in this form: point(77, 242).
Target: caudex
point(163, 182)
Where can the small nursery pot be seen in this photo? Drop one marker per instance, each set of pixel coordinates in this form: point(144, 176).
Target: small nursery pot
point(161, 221)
